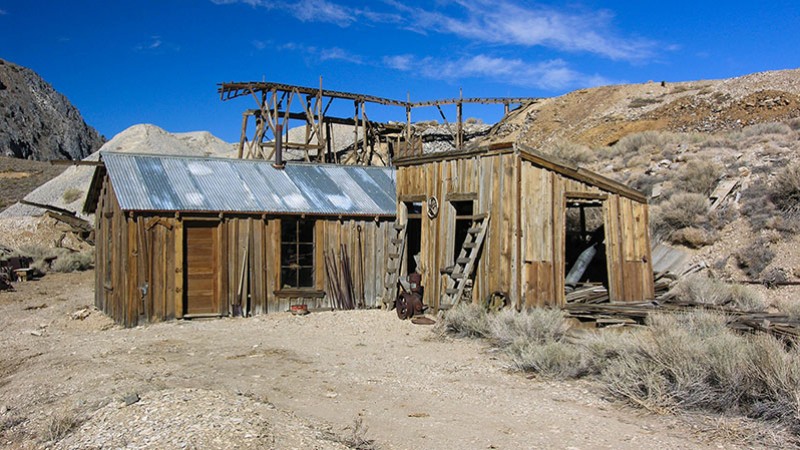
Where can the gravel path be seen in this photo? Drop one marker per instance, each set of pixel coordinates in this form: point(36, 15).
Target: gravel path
point(281, 381)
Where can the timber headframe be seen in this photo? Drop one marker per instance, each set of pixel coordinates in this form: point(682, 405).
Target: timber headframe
point(274, 112)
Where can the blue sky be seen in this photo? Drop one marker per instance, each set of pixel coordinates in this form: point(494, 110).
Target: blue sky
point(125, 62)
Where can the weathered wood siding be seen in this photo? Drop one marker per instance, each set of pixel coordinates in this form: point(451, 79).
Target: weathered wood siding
point(140, 262)
point(523, 254)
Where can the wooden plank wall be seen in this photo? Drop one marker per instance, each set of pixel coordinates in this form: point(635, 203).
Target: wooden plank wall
point(523, 254)
point(141, 257)
point(492, 180)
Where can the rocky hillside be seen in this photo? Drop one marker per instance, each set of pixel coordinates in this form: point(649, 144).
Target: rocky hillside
point(602, 116)
point(38, 123)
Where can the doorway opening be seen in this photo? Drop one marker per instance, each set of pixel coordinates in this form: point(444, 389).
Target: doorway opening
point(463, 221)
point(585, 245)
point(201, 251)
point(413, 235)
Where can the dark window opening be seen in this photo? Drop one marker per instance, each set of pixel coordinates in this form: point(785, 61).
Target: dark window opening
point(585, 230)
point(463, 222)
point(297, 253)
point(413, 234)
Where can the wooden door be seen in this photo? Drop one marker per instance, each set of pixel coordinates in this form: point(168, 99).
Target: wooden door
point(202, 268)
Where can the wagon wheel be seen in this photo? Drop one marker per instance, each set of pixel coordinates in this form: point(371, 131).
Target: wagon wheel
point(401, 305)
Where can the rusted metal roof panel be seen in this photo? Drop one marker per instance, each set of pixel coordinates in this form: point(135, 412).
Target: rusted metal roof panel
point(178, 183)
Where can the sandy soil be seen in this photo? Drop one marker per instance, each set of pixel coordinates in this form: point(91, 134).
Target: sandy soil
point(281, 381)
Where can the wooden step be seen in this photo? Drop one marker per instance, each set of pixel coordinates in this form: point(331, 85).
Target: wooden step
point(469, 245)
point(462, 260)
point(457, 276)
point(391, 270)
point(450, 291)
point(394, 255)
point(448, 270)
point(396, 241)
point(474, 230)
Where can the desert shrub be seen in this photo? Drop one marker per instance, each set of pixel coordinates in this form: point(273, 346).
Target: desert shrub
point(569, 151)
point(640, 102)
point(789, 307)
point(465, 320)
point(708, 291)
point(73, 262)
point(680, 211)
point(64, 260)
point(540, 325)
point(647, 142)
point(71, 194)
point(773, 277)
point(785, 189)
point(699, 177)
point(551, 359)
point(794, 124)
point(692, 237)
point(754, 258)
point(59, 425)
point(644, 183)
point(761, 129)
point(757, 206)
point(776, 374)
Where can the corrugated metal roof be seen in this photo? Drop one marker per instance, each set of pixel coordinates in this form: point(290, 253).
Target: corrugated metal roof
point(176, 183)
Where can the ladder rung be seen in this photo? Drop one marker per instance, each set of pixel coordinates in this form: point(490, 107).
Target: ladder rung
point(457, 276)
point(394, 255)
point(462, 260)
point(474, 230)
point(470, 245)
point(450, 291)
point(397, 241)
point(448, 270)
point(392, 269)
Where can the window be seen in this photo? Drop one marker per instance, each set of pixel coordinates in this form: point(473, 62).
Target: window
point(297, 253)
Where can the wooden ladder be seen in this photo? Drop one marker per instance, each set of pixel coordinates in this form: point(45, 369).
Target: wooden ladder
point(394, 261)
point(456, 280)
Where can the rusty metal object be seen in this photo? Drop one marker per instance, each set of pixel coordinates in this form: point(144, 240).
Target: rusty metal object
point(409, 303)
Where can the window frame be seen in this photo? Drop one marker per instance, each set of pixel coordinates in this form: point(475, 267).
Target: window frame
point(295, 264)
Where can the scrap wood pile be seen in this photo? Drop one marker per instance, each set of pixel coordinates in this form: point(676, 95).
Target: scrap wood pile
point(343, 281)
point(627, 314)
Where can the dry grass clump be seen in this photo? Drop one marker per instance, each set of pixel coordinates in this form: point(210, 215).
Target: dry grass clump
point(645, 143)
point(685, 361)
point(789, 307)
point(693, 237)
point(569, 151)
point(698, 177)
point(680, 211)
point(785, 189)
point(71, 194)
point(708, 291)
point(59, 425)
point(63, 260)
point(754, 258)
point(761, 129)
point(465, 320)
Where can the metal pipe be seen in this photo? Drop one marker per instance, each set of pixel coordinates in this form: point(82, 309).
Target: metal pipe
point(279, 164)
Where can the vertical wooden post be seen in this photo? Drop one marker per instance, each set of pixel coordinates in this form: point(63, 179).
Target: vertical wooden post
point(323, 141)
point(460, 124)
point(355, 130)
point(408, 122)
point(179, 279)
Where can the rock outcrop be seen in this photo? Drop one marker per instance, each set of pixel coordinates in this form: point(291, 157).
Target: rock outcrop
point(38, 123)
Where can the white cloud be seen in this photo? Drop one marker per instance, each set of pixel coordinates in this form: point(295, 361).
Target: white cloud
point(551, 75)
point(509, 23)
point(156, 45)
point(322, 54)
point(503, 22)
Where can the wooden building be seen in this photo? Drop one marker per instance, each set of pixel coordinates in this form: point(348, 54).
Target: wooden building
point(181, 237)
point(516, 222)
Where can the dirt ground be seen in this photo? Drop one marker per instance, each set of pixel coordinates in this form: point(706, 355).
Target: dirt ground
point(70, 378)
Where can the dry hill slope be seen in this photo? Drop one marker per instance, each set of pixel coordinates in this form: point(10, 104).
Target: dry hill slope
point(603, 115)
